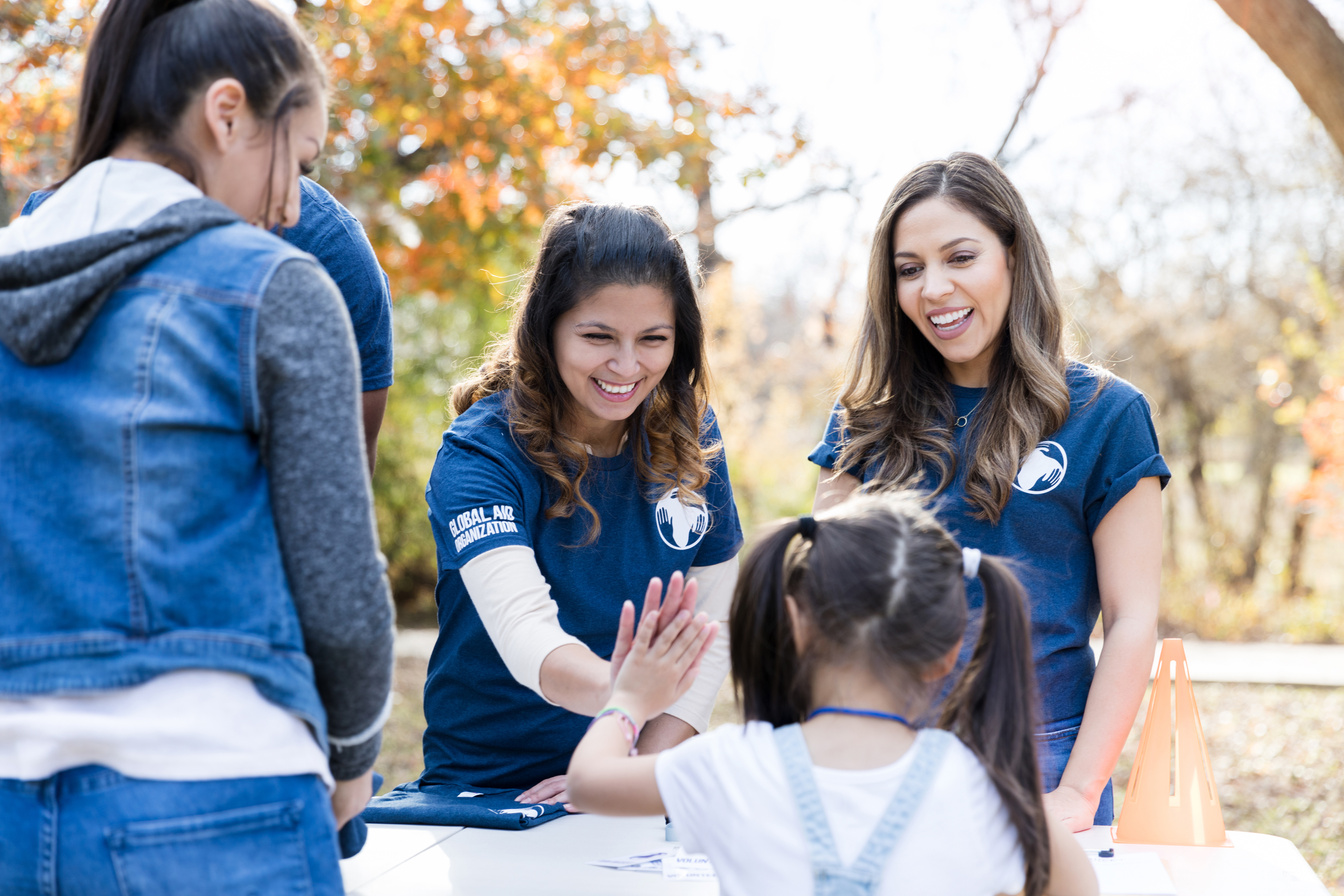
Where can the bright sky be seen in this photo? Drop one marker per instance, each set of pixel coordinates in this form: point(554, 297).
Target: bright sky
point(881, 86)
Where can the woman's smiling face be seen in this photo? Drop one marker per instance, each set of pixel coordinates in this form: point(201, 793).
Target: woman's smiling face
point(954, 280)
point(612, 349)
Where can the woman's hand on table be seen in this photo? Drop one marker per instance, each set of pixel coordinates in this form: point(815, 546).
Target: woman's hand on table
point(551, 790)
point(1071, 807)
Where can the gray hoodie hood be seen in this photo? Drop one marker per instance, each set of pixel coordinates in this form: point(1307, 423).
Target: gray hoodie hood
point(59, 264)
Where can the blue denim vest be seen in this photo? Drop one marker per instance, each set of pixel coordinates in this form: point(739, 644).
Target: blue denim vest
point(136, 534)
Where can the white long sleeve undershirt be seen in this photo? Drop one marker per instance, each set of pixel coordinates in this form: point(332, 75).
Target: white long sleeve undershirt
point(514, 602)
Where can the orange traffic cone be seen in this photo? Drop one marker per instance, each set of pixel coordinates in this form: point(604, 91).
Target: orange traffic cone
point(1171, 797)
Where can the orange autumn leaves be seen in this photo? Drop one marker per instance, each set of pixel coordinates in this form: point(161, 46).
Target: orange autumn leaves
point(465, 127)
point(454, 128)
point(41, 42)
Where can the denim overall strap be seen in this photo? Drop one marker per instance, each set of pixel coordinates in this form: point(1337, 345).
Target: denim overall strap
point(798, 771)
point(862, 877)
point(930, 749)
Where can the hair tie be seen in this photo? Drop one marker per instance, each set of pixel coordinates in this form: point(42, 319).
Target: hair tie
point(807, 527)
point(970, 562)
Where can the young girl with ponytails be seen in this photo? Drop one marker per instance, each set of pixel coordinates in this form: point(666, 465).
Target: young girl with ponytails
point(842, 628)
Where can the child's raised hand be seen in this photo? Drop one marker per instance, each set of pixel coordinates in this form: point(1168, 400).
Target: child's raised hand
point(662, 660)
point(681, 594)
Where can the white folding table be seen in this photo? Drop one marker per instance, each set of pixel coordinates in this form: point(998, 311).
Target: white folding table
point(423, 860)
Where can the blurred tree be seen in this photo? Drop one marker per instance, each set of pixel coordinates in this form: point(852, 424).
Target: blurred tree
point(461, 124)
point(1217, 292)
point(457, 125)
point(40, 59)
point(1299, 40)
point(1029, 17)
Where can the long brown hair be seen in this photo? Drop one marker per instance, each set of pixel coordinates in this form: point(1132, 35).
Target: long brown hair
point(897, 409)
point(584, 247)
point(879, 579)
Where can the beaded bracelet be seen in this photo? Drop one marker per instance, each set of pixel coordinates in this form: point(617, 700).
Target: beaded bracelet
point(628, 726)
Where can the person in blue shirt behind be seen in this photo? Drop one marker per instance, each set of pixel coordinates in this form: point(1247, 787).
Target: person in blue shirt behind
point(329, 232)
point(584, 461)
point(961, 385)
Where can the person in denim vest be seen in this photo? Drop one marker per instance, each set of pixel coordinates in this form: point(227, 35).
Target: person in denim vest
point(961, 385)
point(195, 627)
point(331, 234)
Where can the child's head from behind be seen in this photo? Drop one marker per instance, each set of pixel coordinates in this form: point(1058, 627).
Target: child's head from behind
point(875, 580)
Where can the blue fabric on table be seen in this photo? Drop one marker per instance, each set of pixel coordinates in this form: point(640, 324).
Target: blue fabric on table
point(356, 830)
point(417, 803)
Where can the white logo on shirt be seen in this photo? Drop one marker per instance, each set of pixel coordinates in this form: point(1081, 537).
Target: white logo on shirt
point(1043, 470)
point(528, 812)
point(681, 526)
point(478, 522)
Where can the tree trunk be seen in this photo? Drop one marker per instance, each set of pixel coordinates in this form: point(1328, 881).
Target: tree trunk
point(1294, 586)
point(1299, 40)
point(1198, 423)
point(705, 225)
point(1268, 441)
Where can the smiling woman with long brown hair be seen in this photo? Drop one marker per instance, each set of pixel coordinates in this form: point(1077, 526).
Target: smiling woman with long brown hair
point(584, 461)
point(961, 385)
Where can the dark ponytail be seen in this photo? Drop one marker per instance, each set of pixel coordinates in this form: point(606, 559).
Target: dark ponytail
point(148, 59)
point(760, 636)
point(993, 710)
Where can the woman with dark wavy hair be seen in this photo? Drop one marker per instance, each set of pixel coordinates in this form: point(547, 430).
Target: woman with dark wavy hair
point(584, 461)
point(961, 384)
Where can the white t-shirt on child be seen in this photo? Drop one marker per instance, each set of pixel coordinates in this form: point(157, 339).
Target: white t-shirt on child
point(727, 795)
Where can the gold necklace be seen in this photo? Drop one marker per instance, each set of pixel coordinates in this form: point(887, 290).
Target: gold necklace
point(966, 417)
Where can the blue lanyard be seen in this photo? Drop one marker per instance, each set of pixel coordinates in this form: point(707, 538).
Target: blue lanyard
point(846, 711)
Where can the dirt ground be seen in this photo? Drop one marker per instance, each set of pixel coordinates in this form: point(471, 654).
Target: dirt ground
point(1277, 754)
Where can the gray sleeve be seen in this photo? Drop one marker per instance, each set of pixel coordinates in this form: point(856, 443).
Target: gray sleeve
point(313, 448)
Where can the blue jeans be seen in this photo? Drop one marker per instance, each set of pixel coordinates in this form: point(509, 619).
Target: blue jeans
point(1052, 754)
point(94, 832)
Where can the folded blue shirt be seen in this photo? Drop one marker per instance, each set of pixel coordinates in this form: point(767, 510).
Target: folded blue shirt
point(458, 804)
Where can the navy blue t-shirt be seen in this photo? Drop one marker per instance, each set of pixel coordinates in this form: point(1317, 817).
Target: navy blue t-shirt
point(327, 231)
point(484, 728)
point(1062, 492)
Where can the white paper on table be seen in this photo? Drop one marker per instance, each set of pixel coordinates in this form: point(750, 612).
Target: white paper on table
point(647, 861)
point(1132, 874)
point(682, 865)
point(674, 863)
